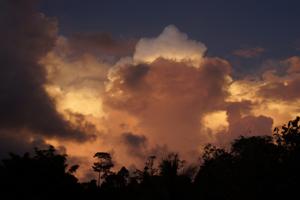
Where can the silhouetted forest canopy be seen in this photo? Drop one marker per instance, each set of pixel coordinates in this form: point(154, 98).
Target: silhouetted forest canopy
point(260, 167)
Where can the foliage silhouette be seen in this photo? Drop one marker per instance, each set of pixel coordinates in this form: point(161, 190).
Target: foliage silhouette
point(45, 175)
point(261, 167)
point(103, 165)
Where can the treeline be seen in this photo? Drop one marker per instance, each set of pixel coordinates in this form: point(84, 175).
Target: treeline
point(262, 167)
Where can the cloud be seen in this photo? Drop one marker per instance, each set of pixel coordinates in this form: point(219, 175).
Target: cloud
point(56, 88)
point(18, 142)
point(179, 101)
point(284, 86)
point(170, 44)
point(75, 82)
point(101, 44)
point(249, 52)
point(274, 94)
point(293, 64)
point(76, 70)
point(26, 36)
point(169, 98)
point(242, 122)
point(133, 140)
point(136, 144)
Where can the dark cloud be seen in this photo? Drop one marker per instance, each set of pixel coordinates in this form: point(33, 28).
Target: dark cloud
point(136, 144)
point(18, 142)
point(26, 36)
point(133, 140)
point(103, 45)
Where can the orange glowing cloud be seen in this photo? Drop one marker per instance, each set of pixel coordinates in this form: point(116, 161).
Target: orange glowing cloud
point(91, 92)
point(165, 96)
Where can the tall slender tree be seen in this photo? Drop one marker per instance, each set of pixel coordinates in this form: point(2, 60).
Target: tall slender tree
point(103, 165)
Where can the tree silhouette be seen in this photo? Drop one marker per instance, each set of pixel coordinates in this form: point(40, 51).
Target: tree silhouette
point(288, 135)
point(260, 167)
point(170, 165)
point(103, 165)
point(149, 168)
point(123, 173)
point(254, 168)
point(44, 175)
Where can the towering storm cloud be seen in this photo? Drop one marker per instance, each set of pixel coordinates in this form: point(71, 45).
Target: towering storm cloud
point(137, 96)
point(169, 98)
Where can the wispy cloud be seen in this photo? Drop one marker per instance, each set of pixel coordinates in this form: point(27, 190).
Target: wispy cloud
point(249, 52)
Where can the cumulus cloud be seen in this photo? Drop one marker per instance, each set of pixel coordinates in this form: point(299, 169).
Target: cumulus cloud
point(168, 90)
point(273, 94)
point(170, 44)
point(163, 87)
point(168, 98)
point(75, 82)
point(76, 69)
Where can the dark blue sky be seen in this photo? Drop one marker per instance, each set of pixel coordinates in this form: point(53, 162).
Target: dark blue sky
point(223, 25)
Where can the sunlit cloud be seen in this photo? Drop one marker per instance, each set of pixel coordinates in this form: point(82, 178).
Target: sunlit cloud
point(170, 44)
point(167, 93)
point(91, 92)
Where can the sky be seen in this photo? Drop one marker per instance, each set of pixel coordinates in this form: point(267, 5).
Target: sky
point(141, 78)
point(222, 25)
